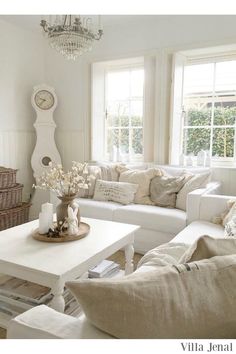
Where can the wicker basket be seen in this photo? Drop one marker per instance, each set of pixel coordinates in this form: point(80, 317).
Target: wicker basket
point(7, 177)
point(15, 216)
point(11, 197)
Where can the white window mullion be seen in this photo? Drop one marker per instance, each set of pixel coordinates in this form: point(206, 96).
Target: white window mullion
point(130, 126)
point(176, 135)
point(235, 141)
point(213, 108)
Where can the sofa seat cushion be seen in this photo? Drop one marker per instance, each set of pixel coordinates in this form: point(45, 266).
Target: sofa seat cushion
point(152, 217)
point(97, 209)
point(197, 229)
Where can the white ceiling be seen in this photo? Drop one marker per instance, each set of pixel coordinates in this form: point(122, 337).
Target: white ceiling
point(31, 22)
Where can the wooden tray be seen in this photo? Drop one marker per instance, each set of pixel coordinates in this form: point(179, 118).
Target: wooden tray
point(83, 231)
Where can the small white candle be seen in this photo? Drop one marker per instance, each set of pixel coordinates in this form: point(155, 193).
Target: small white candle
point(43, 223)
point(47, 209)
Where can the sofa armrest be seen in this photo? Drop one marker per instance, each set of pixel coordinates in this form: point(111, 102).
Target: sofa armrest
point(194, 199)
point(212, 206)
point(42, 322)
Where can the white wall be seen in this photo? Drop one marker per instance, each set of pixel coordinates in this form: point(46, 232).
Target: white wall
point(160, 36)
point(72, 84)
point(21, 67)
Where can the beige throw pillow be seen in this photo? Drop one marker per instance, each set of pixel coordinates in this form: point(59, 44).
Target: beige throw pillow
point(230, 228)
point(143, 179)
point(119, 192)
point(196, 181)
point(110, 172)
point(207, 247)
point(196, 300)
point(230, 213)
point(164, 189)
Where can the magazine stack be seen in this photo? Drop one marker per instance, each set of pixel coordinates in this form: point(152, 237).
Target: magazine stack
point(17, 296)
point(105, 269)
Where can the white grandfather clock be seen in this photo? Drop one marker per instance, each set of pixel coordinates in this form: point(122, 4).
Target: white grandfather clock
point(44, 101)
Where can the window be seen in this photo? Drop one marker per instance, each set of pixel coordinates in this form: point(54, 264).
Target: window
point(124, 114)
point(123, 102)
point(209, 109)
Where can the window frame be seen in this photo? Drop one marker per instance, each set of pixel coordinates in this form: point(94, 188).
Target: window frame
point(122, 68)
point(210, 60)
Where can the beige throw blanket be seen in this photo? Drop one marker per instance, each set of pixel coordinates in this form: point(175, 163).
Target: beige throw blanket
point(167, 254)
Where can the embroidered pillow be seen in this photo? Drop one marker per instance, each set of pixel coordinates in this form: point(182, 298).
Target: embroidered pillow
point(119, 192)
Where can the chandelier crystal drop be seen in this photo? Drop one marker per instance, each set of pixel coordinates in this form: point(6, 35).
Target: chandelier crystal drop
point(70, 35)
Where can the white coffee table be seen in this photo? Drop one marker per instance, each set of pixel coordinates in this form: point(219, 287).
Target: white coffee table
point(52, 264)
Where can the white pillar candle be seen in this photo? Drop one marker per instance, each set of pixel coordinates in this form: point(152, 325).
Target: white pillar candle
point(43, 223)
point(47, 208)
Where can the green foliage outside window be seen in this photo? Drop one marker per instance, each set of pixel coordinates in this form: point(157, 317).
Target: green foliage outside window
point(197, 139)
point(119, 133)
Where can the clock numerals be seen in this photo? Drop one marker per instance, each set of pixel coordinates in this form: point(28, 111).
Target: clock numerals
point(44, 99)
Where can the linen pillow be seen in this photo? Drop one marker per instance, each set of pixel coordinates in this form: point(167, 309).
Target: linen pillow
point(111, 172)
point(196, 300)
point(143, 179)
point(115, 191)
point(230, 228)
point(196, 181)
point(164, 189)
point(207, 247)
point(230, 213)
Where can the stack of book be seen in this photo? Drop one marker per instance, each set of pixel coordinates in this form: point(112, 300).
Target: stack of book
point(105, 269)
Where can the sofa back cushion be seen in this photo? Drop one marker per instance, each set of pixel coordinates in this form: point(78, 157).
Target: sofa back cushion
point(180, 170)
point(142, 178)
point(195, 300)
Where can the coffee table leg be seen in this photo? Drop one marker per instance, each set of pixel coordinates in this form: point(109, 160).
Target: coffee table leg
point(58, 302)
point(129, 254)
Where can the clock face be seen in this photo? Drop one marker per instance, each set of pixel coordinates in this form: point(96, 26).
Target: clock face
point(44, 99)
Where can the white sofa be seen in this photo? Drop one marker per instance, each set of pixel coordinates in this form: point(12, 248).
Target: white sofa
point(43, 322)
point(158, 225)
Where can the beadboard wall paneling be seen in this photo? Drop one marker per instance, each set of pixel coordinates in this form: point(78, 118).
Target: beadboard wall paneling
point(16, 148)
point(70, 144)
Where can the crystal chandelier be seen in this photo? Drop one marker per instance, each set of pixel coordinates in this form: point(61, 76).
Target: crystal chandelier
point(70, 35)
